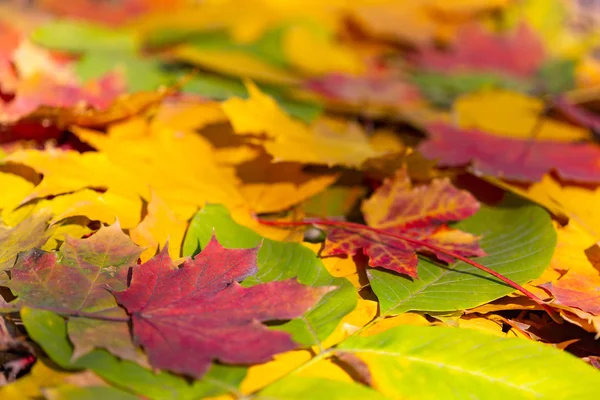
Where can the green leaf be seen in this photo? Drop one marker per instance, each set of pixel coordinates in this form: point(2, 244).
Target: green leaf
point(140, 73)
point(268, 48)
point(416, 362)
point(79, 37)
point(519, 240)
point(557, 76)
point(442, 90)
point(88, 393)
point(300, 388)
point(49, 331)
point(278, 261)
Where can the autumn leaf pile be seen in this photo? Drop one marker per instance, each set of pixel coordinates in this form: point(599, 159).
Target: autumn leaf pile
point(299, 199)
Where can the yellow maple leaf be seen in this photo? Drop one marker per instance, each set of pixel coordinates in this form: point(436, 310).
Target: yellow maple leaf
point(19, 189)
point(105, 207)
point(327, 141)
point(159, 225)
point(576, 203)
point(514, 115)
point(235, 63)
point(317, 53)
point(271, 187)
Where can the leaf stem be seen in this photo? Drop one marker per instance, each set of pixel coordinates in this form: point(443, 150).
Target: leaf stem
point(355, 226)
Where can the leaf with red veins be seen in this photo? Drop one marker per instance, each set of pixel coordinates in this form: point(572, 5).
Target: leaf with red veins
point(385, 252)
point(188, 316)
point(419, 213)
point(519, 53)
point(77, 278)
point(515, 159)
point(397, 204)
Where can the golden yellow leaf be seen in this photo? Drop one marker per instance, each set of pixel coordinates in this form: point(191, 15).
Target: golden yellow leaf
point(18, 187)
point(105, 207)
point(236, 64)
point(158, 226)
point(326, 141)
point(390, 322)
point(262, 375)
point(271, 187)
point(577, 203)
point(317, 53)
point(177, 165)
point(67, 171)
point(512, 114)
point(60, 231)
point(364, 312)
point(188, 115)
point(340, 267)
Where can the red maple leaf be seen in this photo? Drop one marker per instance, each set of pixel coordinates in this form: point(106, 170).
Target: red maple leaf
point(521, 160)
point(186, 317)
point(520, 53)
point(419, 213)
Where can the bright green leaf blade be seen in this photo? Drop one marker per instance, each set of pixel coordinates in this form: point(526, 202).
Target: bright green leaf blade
point(140, 73)
point(79, 37)
point(416, 362)
point(88, 393)
point(300, 388)
point(278, 261)
point(49, 331)
point(519, 240)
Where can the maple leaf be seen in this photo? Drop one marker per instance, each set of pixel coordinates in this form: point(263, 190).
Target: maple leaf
point(327, 141)
point(76, 279)
point(29, 233)
point(420, 213)
point(521, 160)
point(519, 54)
point(186, 317)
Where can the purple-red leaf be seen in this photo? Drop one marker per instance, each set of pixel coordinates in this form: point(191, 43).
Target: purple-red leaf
point(188, 316)
point(519, 54)
point(521, 160)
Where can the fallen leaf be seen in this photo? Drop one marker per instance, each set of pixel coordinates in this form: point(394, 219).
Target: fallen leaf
point(520, 160)
point(326, 55)
point(520, 54)
point(210, 310)
point(78, 278)
point(513, 115)
point(419, 213)
point(19, 189)
point(30, 233)
point(270, 187)
point(328, 142)
point(159, 226)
